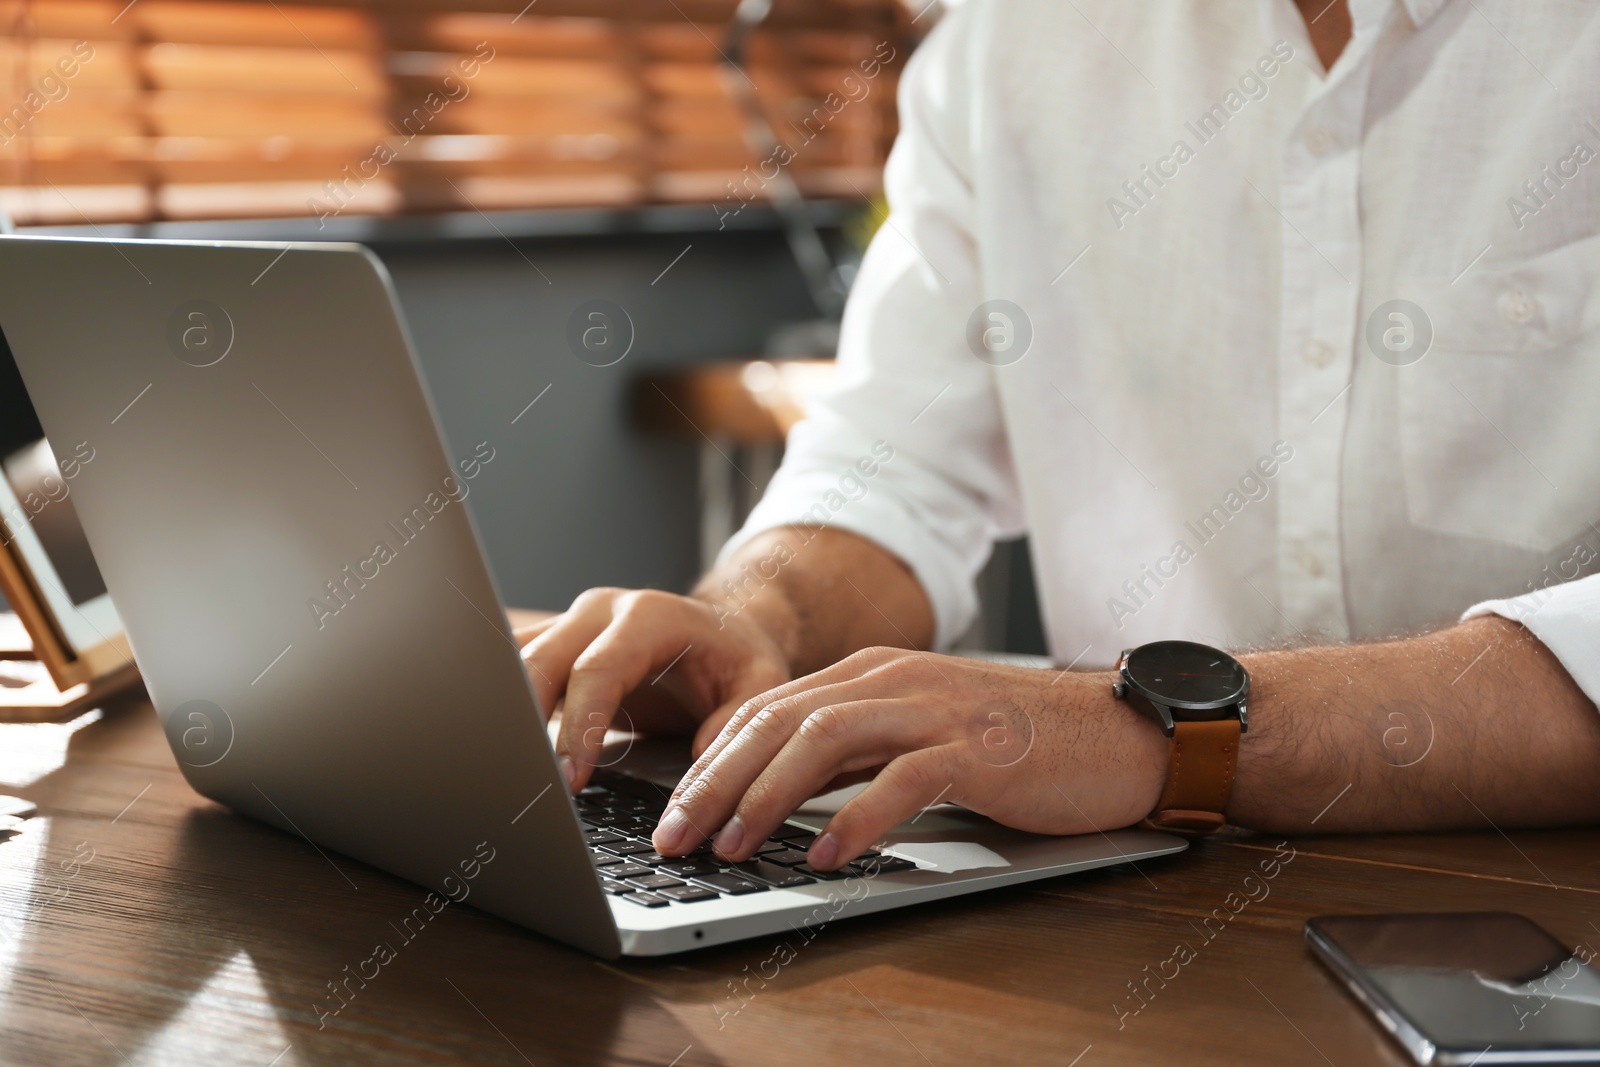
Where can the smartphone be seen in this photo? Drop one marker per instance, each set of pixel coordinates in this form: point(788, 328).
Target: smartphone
point(1468, 987)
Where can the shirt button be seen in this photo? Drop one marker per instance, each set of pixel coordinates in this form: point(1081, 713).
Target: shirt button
point(1518, 308)
point(1319, 140)
point(1317, 353)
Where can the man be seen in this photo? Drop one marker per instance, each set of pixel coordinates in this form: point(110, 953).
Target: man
point(1271, 327)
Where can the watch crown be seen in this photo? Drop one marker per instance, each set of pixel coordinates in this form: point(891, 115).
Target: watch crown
point(1119, 690)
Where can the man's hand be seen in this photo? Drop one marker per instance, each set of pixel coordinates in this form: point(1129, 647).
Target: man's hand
point(669, 662)
point(1051, 752)
point(793, 599)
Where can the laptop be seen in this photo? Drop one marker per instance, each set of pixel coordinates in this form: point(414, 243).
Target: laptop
point(284, 531)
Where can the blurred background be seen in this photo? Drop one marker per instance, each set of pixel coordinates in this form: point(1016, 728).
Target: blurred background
point(710, 168)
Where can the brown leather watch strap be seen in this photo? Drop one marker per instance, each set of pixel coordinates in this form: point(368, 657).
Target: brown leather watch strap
point(1200, 780)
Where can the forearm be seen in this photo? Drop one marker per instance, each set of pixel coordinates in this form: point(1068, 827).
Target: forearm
point(1475, 725)
point(821, 594)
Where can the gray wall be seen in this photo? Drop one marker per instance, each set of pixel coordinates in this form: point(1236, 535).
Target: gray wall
point(575, 496)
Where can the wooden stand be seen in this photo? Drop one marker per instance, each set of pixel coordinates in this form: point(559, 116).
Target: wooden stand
point(70, 682)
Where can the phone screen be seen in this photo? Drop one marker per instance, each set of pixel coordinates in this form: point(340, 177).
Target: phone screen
point(1484, 983)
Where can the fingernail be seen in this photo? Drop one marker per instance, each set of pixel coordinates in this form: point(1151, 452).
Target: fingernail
point(824, 852)
point(728, 838)
point(568, 771)
point(669, 835)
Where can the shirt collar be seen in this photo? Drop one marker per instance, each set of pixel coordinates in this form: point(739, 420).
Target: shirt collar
point(1281, 19)
point(1365, 13)
point(1422, 10)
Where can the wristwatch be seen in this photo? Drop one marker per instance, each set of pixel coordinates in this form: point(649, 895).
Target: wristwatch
point(1197, 695)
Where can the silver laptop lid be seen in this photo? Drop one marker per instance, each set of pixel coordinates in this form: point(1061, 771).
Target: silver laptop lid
point(283, 533)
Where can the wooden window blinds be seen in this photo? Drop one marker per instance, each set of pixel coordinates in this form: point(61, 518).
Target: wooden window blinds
point(189, 109)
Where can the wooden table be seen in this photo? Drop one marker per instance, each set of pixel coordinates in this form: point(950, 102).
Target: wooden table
point(143, 924)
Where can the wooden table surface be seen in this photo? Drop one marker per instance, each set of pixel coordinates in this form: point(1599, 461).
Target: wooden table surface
point(143, 924)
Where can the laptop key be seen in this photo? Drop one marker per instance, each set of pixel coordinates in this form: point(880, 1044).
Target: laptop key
point(787, 858)
point(604, 859)
point(770, 846)
point(731, 884)
point(601, 837)
point(688, 893)
point(872, 865)
point(688, 868)
point(649, 859)
point(622, 847)
point(624, 869)
point(651, 880)
point(652, 805)
point(801, 841)
point(828, 876)
point(648, 900)
point(784, 832)
point(615, 888)
point(625, 832)
point(772, 874)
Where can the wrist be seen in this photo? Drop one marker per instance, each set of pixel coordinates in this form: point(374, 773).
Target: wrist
point(1149, 752)
point(1197, 695)
point(1132, 750)
point(766, 615)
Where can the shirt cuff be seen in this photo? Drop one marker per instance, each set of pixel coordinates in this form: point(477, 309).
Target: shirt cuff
point(1566, 618)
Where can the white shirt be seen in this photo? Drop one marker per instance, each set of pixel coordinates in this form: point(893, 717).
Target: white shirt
point(1197, 225)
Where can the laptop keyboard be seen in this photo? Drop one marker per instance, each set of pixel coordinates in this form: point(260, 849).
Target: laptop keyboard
point(620, 813)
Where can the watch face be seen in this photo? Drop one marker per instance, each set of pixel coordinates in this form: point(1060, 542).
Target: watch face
point(1187, 675)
